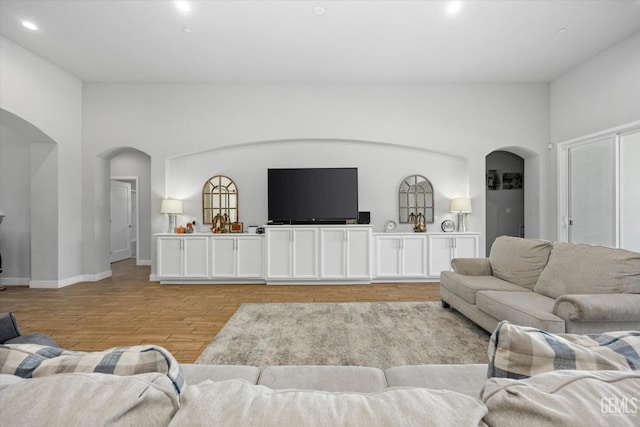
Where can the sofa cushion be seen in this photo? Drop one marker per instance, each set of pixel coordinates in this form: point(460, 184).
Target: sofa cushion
point(194, 374)
point(519, 261)
point(585, 269)
point(466, 286)
point(521, 308)
point(564, 398)
point(325, 378)
point(238, 403)
point(466, 379)
point(32, 361)
point(79, 399)
point(520, 351)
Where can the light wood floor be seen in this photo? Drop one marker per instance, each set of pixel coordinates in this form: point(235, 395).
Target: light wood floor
point(127, 309)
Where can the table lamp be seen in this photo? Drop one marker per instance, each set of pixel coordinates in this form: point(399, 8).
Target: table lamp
point(171, 207)
point(461, 206)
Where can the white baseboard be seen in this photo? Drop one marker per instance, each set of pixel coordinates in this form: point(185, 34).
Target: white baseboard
point(153, 278)
point(143, 261)
point(14, 281)
point(56, 284)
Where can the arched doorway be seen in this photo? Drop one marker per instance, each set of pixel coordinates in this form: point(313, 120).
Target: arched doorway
point(505, 199)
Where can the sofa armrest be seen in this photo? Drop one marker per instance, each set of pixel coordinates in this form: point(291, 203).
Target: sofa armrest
point(598, 307)
point(8, 327)
point(471, 266)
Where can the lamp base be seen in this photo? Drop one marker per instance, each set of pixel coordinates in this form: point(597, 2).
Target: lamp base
point(462, 223)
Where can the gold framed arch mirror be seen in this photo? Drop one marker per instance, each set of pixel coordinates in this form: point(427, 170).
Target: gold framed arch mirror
point(220, 201)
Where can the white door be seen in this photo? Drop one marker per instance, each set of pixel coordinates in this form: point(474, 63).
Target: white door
point(388, 256)
point(224, 256)
point(440, 250)
point(414, 256)
point(120, 220)
point(170, 257)
point(332, 263)
point(465, 247)
point(305, 256)
point(358, 262)
point(196, 256)
point(279, 253)
point(592, 193)
point(249, 256)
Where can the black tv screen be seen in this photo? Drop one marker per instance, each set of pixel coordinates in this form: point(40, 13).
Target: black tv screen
point(312, 195)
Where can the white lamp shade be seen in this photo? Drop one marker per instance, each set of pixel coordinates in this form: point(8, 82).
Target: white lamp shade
point(171, 206)
point(460, 205)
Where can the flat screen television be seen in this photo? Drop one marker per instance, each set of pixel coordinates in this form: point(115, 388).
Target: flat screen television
point(312, 195)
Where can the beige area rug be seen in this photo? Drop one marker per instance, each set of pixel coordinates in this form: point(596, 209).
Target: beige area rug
point(379, 335)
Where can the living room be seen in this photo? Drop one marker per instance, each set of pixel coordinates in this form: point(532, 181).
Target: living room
point(236, 88)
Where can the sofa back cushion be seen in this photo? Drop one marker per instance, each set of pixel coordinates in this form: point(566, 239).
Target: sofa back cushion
point(585, 269)
point(238, 403)
point(519, 261)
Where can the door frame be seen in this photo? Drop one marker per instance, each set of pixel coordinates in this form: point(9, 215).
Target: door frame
point(136, 217)
point(562, 177)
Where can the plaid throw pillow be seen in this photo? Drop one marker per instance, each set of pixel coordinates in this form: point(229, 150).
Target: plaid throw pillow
point(521, 352)
point(33, 361)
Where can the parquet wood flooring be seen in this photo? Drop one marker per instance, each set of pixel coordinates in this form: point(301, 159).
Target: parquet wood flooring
point(128, 309)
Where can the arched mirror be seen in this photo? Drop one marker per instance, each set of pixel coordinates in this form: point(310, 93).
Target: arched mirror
point(220, 200)
point(416, 197)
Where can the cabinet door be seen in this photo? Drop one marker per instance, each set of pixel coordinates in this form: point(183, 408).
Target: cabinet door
point(223, 260)
point(414, 256)
point(304, 251)
point(440, 254)
point(249, 256)
point(196, 257)
point(279, 256)
point(358, 262)
point(333, 253)
point(465, 247)
point(169, 257)
point(388, 256)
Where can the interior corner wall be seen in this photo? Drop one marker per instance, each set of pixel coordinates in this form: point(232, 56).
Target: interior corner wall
point(51, 100)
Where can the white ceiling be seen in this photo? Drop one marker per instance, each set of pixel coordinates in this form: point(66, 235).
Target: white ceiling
point(284, 41)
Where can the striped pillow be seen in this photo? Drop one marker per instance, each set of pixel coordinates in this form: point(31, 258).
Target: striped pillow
point(521, 352)
point(33, 361)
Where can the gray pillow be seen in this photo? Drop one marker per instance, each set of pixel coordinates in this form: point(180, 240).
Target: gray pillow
point(519, 261)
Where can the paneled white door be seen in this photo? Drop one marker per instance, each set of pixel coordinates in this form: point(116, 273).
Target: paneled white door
point(120, 212)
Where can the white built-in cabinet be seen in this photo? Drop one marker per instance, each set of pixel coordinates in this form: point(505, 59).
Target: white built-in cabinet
point(310, 254)
point(291, 253)
point(401, 256)
point(447, 246)
point(345, 253)
point(236, 257)
point(183, 257)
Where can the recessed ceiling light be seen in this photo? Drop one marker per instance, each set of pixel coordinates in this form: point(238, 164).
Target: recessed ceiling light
point(561, 31)
point(186, 29)
point(319, 10)
point(30, 25)
point(454, 7)
point(183, 6)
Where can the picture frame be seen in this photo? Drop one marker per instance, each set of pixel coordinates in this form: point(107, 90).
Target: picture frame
point(236, 227)
point(512, 181)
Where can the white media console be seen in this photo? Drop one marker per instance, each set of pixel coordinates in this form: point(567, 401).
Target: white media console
point(310, 254)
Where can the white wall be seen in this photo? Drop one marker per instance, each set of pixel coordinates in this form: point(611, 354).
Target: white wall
point(600, 94)
point(50, 99)
point(381, 169)
point(466, 120)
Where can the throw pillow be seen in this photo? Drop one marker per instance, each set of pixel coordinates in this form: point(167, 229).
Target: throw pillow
point(587, 269)
point(33, 361)
point(564, 398)
point(238, 403)
point(521, 352)
point(519, 261)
